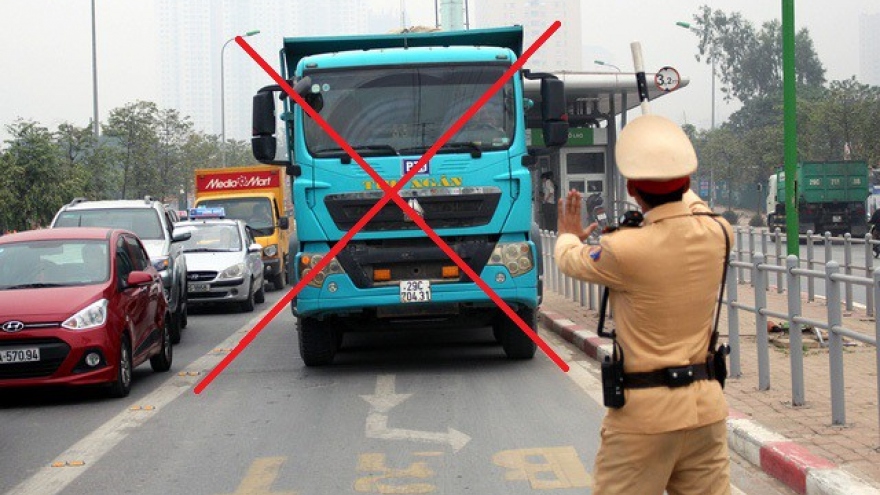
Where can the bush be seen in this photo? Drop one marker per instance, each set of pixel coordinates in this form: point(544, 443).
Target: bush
point(731, 216)
point(756, 221)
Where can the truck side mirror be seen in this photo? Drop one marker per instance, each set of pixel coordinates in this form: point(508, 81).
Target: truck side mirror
point(553, 112)
point(263, 142)
point(283, 223)
point(263, 117)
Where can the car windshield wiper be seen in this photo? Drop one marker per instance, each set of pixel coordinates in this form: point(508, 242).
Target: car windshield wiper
point(33, 286)
point(367, 149)
point(209, 250)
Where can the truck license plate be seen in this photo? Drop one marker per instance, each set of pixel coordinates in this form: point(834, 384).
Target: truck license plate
point(415, 291)
point(837, 218)
point(22, 355)
point(199, 287)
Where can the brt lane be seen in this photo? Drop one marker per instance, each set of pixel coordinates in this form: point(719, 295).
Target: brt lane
point(396, 413)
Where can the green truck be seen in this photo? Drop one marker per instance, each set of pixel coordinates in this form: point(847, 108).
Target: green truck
point(830, 198)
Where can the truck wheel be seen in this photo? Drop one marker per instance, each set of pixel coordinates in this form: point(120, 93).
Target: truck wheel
point(278, 280)
point(317, 343)
point(516, 344)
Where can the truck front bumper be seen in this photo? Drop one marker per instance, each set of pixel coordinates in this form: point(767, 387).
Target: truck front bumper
point(339, 297)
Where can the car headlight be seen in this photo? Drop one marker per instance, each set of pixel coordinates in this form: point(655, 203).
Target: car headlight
point(270, 250)
point(93, 315)
point(515, 256)
point(234, 271)
point(161, 263)
point(308, 261)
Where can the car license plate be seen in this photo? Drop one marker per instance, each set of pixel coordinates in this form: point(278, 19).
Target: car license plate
point(837, 218)
point(415, 291)
point(22, 355)
point(199, 287)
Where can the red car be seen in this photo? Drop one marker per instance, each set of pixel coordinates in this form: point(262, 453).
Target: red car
point(79, 306)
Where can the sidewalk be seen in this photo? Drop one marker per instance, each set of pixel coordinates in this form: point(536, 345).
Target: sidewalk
point(797, 445)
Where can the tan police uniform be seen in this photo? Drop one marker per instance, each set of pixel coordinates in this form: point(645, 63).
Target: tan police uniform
point(664, 279)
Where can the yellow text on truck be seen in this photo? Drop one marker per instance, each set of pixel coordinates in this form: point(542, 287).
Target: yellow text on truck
point(259, 195)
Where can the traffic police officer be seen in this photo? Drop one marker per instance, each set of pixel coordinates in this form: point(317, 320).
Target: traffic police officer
point(664, 281)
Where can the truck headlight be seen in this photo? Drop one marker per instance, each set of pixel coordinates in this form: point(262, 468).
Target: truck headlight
point(270, 250)
point(93, 315)
point(234, 271)
point(515, 256)
point(308, 261)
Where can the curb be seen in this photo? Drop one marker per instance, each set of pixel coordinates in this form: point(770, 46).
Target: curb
point(774, 454)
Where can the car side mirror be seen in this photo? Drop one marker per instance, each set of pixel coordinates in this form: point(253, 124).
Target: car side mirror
point(284, 223)
point(138, 279)
point(255, 248)
point(181, 236)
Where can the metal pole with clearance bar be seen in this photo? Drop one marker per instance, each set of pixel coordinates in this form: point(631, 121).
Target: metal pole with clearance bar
point(641, 83)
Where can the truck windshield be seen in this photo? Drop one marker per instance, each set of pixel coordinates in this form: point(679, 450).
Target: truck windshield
point(256, 212)
point(404, 110)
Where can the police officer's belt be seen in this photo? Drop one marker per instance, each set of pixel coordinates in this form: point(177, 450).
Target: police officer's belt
point(679, 376)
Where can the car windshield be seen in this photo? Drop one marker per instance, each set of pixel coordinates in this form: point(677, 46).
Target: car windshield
point(56, 263)
point(404, 110)
point(208, 238)
point(144, 222)
point(256, 212)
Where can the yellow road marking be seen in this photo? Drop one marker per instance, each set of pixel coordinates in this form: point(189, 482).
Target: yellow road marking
point(261, 476)
point(546, 468)
point(388, 480)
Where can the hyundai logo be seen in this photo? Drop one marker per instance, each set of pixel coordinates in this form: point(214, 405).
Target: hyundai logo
point(12, 326)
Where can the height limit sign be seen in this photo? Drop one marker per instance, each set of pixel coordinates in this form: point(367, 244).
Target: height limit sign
point(667, 79)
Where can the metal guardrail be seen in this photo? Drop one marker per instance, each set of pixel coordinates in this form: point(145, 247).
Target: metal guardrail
point(750, 265)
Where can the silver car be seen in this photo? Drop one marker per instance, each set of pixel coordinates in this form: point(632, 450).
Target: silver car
point(223, 263)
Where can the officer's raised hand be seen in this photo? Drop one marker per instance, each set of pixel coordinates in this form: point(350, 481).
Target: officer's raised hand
point(569, 217)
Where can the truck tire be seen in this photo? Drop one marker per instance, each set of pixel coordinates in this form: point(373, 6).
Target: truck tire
point(516, 344)
point(317, 343)
point(278, 280)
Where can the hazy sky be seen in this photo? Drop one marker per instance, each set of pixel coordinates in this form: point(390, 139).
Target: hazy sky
point(47, 71)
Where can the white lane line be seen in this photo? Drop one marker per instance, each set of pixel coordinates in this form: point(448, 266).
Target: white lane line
point(51, 480)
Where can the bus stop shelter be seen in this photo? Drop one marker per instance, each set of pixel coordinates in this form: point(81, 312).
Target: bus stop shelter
point(597, 102)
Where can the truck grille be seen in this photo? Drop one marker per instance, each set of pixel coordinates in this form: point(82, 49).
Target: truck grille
point(440, 207)
point(412, 259)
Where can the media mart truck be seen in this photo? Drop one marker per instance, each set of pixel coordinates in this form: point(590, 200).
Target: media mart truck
point(259, 195)
point(391, 97)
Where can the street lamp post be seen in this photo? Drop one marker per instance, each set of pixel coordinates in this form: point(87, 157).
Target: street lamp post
point(94, 75)
point(223, 94)
point(687, 25)
point(606, 64)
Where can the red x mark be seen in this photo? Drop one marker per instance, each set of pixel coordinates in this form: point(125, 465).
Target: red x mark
point(391, 194)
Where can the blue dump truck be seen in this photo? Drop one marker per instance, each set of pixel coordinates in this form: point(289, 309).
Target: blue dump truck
point(830, 198)
point(391, 97)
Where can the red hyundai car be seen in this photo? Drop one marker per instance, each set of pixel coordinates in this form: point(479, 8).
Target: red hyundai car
point(79, 306)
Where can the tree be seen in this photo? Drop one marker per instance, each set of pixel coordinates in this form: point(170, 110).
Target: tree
point(35, 182)
point(749, 62)
point(173, 132)
point(133, 131)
